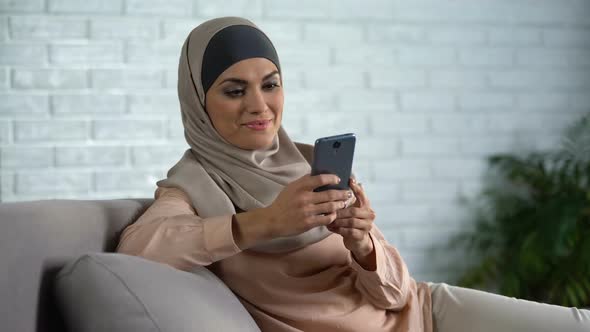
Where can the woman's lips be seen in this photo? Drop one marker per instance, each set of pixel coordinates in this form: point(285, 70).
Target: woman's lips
point(259, 124)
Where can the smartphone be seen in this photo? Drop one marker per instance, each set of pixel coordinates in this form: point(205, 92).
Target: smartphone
point(333, 155)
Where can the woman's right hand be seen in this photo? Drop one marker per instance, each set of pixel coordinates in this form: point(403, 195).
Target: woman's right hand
point(298, 208)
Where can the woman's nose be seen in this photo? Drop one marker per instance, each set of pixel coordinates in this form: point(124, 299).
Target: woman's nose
point(255, 102)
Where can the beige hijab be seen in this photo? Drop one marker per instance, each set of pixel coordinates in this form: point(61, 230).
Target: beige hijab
point(217, 176)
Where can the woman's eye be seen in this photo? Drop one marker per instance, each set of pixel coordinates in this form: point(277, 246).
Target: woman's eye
point(235, 93)
point(271, 86)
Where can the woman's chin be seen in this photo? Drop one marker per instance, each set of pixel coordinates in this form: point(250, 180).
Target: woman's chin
point(260, 142)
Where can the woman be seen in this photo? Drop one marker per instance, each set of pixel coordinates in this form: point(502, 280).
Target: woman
point(241, 202)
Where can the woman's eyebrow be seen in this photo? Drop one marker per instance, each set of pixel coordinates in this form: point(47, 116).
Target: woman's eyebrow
point(270, 75)
point(241, 81)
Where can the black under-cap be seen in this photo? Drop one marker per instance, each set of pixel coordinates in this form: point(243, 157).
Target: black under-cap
point(232, 44)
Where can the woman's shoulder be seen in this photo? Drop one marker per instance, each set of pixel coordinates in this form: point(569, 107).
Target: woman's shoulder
point(172, 199)
point(171, 193)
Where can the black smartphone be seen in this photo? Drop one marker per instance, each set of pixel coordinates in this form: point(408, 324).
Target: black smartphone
point(333, 155)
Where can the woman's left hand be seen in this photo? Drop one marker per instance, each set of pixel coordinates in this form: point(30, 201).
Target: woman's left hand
point(355, 222)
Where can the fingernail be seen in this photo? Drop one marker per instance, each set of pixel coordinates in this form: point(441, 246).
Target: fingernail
point(349, 194)
point(354, 180)
point(338, 179)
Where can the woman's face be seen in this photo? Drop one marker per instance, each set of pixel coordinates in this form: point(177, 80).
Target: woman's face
point(245, 103)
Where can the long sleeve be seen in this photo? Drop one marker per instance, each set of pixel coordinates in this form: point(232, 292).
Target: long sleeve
point(389, 285)
point(171, 232)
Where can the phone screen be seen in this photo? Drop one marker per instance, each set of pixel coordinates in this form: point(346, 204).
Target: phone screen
point(334, 155)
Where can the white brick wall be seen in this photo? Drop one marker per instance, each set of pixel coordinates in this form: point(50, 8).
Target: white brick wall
point(89, 108)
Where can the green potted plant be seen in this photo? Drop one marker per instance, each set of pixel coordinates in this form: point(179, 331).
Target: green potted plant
point(531, 230)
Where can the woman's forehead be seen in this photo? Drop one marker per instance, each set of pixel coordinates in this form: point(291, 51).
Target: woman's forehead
point(230, 47)
point(251, 69)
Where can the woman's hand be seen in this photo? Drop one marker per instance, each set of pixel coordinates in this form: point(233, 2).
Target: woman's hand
point(354, 224)
point(298, 208)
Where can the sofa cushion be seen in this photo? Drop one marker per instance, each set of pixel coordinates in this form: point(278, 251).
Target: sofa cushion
point(38, 238)
point(116, 292)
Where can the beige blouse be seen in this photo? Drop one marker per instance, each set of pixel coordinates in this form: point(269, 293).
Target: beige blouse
point(317, 288)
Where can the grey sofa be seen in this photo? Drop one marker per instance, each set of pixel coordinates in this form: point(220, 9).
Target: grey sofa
point(37, 239)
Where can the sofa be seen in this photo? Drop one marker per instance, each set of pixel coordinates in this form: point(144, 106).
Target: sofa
point(39, 238)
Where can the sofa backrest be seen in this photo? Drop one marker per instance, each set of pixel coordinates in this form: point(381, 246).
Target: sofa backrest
point(37, 238)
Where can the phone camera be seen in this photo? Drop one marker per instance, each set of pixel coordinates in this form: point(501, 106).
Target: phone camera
point(336, 145)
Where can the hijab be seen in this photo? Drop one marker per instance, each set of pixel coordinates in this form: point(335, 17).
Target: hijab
point(218, 177)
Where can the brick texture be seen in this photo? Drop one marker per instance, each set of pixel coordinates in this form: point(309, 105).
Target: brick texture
point(431, 88)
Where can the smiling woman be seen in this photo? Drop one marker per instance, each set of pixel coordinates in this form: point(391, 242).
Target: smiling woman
point(241, 201)
point(245, 103)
